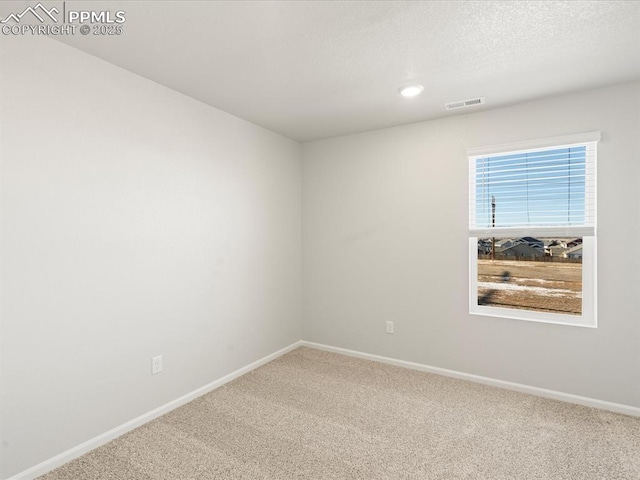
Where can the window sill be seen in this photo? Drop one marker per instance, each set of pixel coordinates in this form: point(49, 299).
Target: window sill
point(531, 316)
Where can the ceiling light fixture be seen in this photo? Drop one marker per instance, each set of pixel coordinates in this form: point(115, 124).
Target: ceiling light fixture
point(411, 90)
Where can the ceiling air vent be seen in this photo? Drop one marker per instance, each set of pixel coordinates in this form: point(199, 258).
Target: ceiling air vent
point(464, 103)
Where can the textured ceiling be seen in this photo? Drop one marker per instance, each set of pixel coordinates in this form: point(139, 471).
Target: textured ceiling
point(312, 70)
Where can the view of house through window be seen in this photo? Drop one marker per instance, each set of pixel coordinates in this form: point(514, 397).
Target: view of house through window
point(532, 217)
point(539, 274)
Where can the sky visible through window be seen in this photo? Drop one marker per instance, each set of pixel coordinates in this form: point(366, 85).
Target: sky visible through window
point(536, 188)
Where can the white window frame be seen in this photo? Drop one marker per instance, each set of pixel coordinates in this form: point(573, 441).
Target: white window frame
point(588, 317)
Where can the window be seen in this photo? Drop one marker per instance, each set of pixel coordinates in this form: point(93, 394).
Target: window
point(532, 230)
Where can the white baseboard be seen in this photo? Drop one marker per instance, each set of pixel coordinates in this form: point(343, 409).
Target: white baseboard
point(93, 443)
point(540, 392)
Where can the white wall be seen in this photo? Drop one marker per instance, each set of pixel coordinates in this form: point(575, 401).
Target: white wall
point(385, 238)
point(135, 222)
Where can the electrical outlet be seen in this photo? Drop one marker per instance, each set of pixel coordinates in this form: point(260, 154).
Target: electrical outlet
point(156, 364)
point(389, 327)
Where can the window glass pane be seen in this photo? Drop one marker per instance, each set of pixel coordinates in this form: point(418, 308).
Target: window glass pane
point(536, 188)
point(527, 273)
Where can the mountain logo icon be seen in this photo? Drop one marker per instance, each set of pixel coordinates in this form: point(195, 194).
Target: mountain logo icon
point(39, 11)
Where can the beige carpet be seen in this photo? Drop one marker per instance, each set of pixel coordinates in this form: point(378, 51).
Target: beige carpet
point(317, 415)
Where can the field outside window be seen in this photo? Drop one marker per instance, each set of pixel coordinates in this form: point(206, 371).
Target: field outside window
point(542, 275)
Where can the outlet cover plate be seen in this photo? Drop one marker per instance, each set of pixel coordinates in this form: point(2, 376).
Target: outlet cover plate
point(156, 364)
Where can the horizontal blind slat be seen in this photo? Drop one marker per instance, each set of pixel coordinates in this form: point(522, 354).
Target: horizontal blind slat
point(559, 231)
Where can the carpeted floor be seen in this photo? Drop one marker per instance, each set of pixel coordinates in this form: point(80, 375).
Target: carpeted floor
point(317, 415)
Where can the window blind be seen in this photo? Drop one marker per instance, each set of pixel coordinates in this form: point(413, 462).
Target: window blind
point(547, 191)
